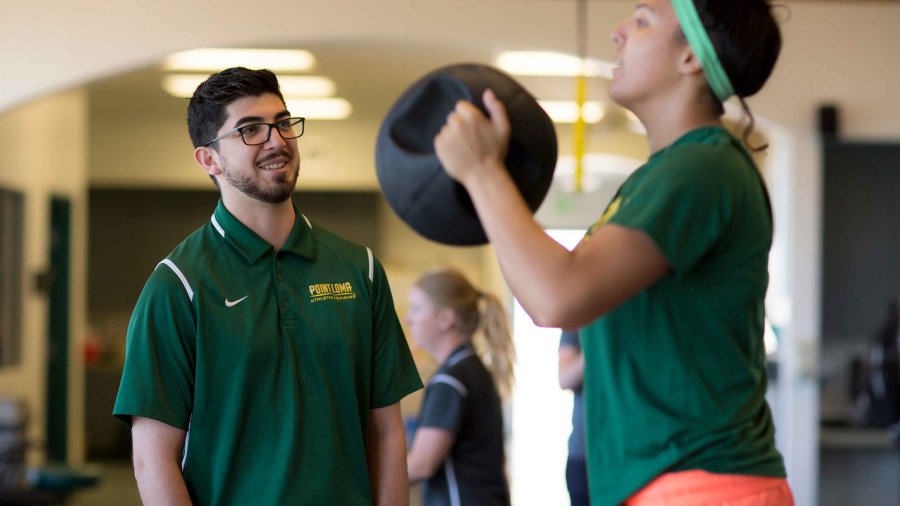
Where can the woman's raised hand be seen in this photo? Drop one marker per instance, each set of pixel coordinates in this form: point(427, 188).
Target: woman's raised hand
point(469, 142)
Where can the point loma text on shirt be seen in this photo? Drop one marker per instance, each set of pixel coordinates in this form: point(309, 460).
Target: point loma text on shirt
point(331, 291)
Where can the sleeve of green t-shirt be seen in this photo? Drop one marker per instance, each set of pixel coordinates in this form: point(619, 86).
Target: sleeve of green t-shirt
point(683, 204)
point(158, 377)
point(394, 373)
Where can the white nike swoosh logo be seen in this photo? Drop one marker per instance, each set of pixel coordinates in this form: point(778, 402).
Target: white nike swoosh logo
point(229, 303)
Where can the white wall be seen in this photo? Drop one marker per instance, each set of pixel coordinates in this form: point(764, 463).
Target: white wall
point(43, 153)
point(833, 52)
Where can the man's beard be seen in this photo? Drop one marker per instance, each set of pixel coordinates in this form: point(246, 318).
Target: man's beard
point(280, 191)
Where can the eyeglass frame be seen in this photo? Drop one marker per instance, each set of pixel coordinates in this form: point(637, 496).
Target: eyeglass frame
point(240, 130)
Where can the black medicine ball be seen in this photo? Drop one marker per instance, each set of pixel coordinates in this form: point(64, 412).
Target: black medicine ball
point(413, 180)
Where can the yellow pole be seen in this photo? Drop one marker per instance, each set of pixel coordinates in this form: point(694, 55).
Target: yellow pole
point(578, 131)
point(580, 91)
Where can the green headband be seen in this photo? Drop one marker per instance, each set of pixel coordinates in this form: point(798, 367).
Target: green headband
point(699, 41)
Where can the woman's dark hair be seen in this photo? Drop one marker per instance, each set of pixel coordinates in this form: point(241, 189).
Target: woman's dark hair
point(747, 40)
point(207, 108)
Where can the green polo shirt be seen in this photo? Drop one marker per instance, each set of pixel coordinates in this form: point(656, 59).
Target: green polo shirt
point(675, 378)
point(271, 360)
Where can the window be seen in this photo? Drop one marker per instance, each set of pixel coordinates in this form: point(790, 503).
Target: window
point(541, 411)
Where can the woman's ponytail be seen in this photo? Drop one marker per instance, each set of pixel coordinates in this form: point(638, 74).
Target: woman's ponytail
point(498, 353)
point(476, 313)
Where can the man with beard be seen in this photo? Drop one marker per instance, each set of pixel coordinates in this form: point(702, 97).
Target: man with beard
point(265, 361)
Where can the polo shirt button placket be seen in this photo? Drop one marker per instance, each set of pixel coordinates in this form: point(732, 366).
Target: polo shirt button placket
point(279, 278)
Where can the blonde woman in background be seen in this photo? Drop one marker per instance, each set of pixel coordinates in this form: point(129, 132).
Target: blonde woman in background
point(457, 448)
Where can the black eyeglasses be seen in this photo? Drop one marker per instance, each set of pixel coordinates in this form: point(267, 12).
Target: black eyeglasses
point(259, 133)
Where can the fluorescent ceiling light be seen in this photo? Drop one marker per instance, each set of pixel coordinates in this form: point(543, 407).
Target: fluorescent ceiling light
point(306, 86)
point(549, 63)
point(566, 111)
point(320, 108)
point(183, 85)
point(214, 59)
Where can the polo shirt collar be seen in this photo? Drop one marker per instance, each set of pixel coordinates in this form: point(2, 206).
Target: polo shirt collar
point(253, 247)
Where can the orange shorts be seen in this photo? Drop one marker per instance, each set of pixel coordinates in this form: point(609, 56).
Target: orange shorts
point(696, 488)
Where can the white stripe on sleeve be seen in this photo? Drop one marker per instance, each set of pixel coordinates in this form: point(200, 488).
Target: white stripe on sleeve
point(450, 380)
point(177, 271)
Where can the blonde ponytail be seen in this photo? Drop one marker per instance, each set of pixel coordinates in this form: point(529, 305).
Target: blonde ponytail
point(476, 311)
point(497, 352)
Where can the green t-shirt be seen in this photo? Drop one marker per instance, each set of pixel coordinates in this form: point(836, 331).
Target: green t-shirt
point(271, 360)
point(675, 377)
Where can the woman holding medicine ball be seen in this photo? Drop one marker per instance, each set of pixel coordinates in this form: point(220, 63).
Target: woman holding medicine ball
point(667, 288)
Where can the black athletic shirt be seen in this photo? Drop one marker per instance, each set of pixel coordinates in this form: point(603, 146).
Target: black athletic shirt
point(461, 398)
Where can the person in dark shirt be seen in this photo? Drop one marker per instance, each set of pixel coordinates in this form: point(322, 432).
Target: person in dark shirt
point(457, 449)
point(571, 377)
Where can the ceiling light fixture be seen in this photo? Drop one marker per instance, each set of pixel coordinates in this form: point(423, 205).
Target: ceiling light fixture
point(183, 85)
point(549, 63)
point(320, 108)
point(307, 96)
point(214, 59)
point(566, 111)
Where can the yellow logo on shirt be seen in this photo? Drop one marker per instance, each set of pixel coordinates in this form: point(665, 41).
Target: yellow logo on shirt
point(331, 291)
point(611, 211)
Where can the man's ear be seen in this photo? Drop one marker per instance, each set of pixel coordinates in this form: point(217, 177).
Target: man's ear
point(207, 158)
